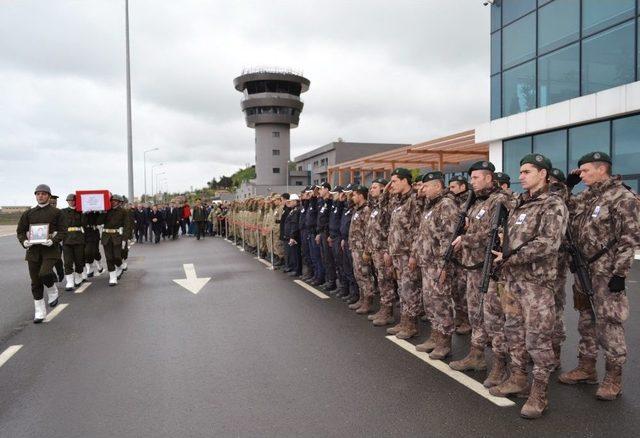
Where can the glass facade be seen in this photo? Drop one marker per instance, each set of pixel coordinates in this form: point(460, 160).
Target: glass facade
point(568, 48)
point(619, 138)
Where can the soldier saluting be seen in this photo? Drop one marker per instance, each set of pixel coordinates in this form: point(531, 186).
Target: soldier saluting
point(605, 228)
point(42, 257)
point(116, 226)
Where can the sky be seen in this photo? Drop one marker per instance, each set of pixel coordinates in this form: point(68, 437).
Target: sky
point(402, 71)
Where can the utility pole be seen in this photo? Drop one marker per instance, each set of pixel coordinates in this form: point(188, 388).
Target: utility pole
point(129, 131)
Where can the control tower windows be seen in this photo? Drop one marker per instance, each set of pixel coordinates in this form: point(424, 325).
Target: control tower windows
point(276, 170)
point(276, 134)
point(274, 87)
point(272, 110)
point(275, 152)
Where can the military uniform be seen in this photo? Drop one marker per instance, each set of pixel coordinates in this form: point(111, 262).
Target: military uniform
point(92, 244)
point(352, 293)
point(116, 226)
point(73, 245)
point(376, 244)
point(435, 233)
point(604, 224)
point(40, 257)
point(131, 215)
point(459, 286)
point(361, 268)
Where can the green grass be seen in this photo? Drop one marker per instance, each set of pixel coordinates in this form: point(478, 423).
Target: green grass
point(9, 218)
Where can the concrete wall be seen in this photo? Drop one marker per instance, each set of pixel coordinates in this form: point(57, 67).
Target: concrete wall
point(265, 160)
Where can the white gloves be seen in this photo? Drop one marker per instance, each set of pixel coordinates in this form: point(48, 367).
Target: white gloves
point(124, 244)
point(26, 244)
point(48, 242)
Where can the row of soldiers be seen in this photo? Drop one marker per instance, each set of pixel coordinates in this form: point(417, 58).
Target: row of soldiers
point(485, 258)
point(72, 245)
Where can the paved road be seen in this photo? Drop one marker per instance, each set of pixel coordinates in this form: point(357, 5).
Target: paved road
point(253, 354)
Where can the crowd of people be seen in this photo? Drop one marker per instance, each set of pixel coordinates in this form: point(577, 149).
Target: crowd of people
point(470, 258)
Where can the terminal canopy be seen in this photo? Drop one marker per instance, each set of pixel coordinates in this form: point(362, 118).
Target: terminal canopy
point(446, 154)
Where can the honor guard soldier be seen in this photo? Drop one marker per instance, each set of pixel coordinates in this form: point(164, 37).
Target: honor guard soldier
point(529, 263)
point(116, 226)
point(42, 256)
point(485, 311)
point(436, 230)
point(605, 228)
point(357, 244)
point(73, 243)
point(131, 214)
point(59, 266)
point(92, 245)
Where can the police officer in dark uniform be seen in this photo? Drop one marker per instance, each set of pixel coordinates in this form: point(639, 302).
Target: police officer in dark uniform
point(292, 235)
point(325, 205)
point(43, 256)
point(334, 234)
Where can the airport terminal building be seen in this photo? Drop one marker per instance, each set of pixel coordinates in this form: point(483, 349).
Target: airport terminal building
point(564, 82)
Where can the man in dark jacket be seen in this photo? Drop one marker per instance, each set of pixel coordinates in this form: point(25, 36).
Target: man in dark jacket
point(322, 237)
point(291, 232)
point(200, 218)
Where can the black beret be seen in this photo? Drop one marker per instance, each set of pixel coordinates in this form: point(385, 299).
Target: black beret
point(482, 165)
point(594, 157)
point(382, 181)
point(363, 190)
point(459, 178)
point(432, 176)
point(538, 160)
point(558, 174)
point(402, 173)
point(502, 178)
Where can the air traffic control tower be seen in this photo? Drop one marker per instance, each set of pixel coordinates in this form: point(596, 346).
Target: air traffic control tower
point(272, 106)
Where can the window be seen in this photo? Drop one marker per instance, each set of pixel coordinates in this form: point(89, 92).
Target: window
point(276, 170)
point(608, 58)
point(495, 52)
point(298, 183)
point(559, 75)
point(588, 138)
point(519, 89)
point(275, 152)
point(496, 16)
point(598, 14)
point(558, 24)
point(275, 134)
point(553, 145)
point(513, 151)
point(496, 113)
point(519, 41)
point(512, 9)
point(626, 145)
point(299, 168)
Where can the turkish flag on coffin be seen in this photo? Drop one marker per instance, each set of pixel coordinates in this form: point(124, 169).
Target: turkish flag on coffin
point(93, 200)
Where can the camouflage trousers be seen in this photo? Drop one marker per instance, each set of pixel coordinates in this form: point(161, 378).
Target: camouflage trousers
point(529, 323)
point(437, 300)
point(485, 315)
point(363, 273)
point(384, 274)
point(458, 291)
point(409, 287)
point(607, 332)
point(559, 297)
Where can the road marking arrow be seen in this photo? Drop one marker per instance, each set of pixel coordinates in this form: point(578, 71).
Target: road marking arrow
point(192, 283)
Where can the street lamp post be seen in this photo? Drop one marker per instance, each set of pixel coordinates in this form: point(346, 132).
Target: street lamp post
point(156, 177)
point(153, 167)
point(129, 130)
point(144, 160)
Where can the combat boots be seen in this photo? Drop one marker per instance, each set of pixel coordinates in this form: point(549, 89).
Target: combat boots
point(611, 386)
point(428, 345)
point(399, 326)
point(358, 303)
point(473, 361)
point(384, 316)
point(443, 347)
point(70, 283)
point(366, 306)
point(499, 372)
point(410, 328)
point(113, 278)
point(585, 372)
point(515, 384)
point(537, 402)
point(40, 311)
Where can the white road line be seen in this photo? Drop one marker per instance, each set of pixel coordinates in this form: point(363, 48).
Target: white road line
point(55, 312)
point(82, 288)
point(467, 381)
point(265, 262)
point(8, 353)
point(637, 256)
point(311, 289)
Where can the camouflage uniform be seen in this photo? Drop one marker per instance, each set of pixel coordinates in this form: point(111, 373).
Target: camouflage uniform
point(437, 226)
point(375, 244)
point(361, 269)
point(536, 227)
point(605, 212)
point(403, 223)
point(559, 332)
point(486, 318)
point(459, 274)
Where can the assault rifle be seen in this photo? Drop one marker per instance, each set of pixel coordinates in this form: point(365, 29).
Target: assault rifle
point(499, 219)
point(580, 267)
point(462, 218)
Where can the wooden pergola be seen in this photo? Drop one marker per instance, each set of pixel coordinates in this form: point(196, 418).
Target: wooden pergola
point(432, 155)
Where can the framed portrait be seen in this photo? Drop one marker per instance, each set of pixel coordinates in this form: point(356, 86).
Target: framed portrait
point(38, 233)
